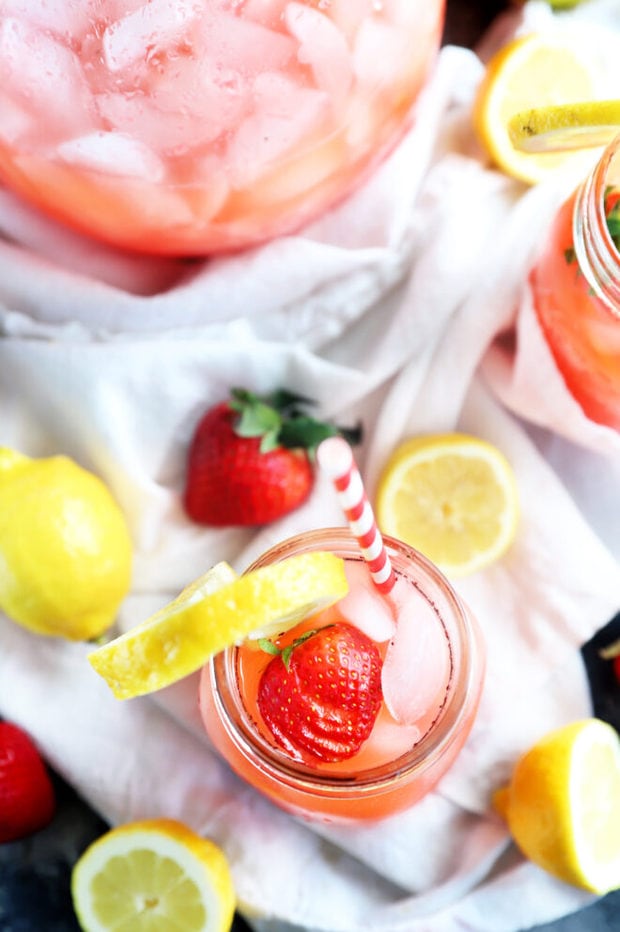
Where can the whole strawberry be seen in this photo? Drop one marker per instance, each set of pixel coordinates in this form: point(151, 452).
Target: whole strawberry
point(250, 460)
point(320, 696)
point(26, 794)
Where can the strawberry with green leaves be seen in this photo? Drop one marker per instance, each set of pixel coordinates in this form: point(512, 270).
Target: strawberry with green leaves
point(321, 695)
point(251, 459)
point(27, 801)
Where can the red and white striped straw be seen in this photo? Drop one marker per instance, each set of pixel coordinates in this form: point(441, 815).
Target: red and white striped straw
point(335, 457)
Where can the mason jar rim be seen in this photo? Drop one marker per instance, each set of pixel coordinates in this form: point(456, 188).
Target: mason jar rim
point(597, 255)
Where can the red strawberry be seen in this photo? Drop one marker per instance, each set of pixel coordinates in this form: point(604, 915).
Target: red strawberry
point(249, 461)
point(320, 696)
point(26, 794)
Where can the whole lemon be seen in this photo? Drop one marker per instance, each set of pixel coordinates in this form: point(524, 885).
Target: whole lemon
point(65, 549)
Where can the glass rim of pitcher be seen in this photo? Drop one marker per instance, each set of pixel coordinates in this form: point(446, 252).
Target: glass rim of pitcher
point(430, 747)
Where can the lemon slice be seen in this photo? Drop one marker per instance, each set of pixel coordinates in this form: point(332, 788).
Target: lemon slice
point(568, 126)
point(531, 71)
point(562, 805)
point(451, 496)
point(216, 611)
point(153, 875)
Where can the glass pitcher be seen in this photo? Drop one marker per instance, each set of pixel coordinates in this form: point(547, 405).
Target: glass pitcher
point(192, 127)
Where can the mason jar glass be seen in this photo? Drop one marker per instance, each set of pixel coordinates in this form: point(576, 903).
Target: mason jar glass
point(400, 762)
point(576, 290)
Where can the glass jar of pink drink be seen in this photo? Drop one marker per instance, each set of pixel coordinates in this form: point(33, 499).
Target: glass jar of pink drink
point(421, 672)
point(193, 127)
point(576, 290)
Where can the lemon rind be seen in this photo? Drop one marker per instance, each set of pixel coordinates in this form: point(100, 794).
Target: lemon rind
point(527, 167)
point(201, 860)
point(181, 637)
point(565, 127)
point(588, 872)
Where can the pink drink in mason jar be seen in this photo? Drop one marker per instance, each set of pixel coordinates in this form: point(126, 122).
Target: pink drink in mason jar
point(422, 659)
point(576, 290)
point(198, 126)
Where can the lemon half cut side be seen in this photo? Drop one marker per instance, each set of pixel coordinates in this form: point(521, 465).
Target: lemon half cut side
point(565, 127)
point(535, 70)
point(216, 611)
point(454, 497)
point(562, 804)
point(153, 875)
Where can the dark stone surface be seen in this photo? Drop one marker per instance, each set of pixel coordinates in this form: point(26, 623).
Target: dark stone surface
point(466, 20)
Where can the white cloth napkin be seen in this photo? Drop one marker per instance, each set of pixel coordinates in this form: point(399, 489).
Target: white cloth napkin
point(391, 309)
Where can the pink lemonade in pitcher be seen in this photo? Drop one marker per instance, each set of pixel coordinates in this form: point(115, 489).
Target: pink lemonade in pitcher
point(356, 712)
point(198, 126)
point(576, 291)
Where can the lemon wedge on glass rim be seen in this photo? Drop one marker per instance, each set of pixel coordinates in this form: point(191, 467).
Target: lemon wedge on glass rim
point(562, 804)
point(534, 70)
point(153, 874)
point(216, 611)
point(565, 127)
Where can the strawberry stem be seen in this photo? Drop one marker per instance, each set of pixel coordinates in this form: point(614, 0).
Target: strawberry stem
point(280, 420)
point(270, 648)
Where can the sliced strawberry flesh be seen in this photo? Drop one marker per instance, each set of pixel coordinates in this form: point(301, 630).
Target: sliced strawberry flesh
point(324, 705)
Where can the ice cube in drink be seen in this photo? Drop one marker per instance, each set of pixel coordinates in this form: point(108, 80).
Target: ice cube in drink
point(294, 101)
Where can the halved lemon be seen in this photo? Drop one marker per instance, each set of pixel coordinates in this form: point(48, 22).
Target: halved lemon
point(562, 804)
point(153, 875)
point(451, 496)
point(531, 71)
point(218, 610)
point(565, 127)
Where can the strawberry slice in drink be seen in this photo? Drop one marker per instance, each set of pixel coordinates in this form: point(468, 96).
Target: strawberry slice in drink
point(321, 695)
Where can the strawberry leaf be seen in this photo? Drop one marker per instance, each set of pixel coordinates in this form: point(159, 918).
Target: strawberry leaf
point(280, 420)
point(305, 432)
point(289, 402)
point(268, 646)
point(257, 419)
point(270, 441)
